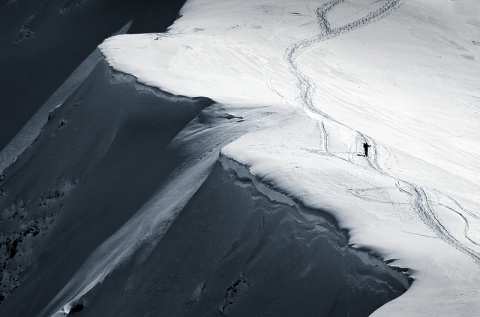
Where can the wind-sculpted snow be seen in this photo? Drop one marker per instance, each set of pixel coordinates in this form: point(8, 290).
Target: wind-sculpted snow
point(80, 166)
point(234, 251)
point(299, 87)
point(121, 218)
point(375, 72)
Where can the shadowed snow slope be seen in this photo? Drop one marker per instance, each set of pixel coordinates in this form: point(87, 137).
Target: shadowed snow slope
point(42, 42)
point(232, 251)
point(98, 213)
point(88, 171)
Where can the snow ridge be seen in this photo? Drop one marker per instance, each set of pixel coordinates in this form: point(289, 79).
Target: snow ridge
point(302, 155)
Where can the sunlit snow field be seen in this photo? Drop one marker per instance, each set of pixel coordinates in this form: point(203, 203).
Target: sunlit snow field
point(402, 76)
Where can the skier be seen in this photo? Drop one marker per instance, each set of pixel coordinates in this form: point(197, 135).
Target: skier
point(365, 148)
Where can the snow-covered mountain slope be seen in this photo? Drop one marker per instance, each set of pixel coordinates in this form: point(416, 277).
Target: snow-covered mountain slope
point(114, 210)
point(135, 202)
point(399, 75)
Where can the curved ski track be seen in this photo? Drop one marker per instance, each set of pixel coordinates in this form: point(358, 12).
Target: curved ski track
point(420, 201)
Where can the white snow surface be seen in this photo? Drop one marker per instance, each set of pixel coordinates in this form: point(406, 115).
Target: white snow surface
point(400, 75)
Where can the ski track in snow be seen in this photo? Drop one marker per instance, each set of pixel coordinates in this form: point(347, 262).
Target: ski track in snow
point(419, 195)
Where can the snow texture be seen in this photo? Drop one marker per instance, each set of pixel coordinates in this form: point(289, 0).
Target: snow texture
point(257, 199)
point(398, 75)
point(144, 195)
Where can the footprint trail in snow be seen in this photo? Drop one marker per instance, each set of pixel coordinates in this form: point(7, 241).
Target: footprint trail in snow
point(419, 196)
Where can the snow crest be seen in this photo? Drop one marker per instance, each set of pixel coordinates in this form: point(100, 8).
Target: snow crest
point(301, 87)
point(396, 75)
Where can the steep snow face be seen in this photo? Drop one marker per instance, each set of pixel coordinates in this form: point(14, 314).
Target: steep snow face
point(42, 42)
point(401, 76)
point(233, 251)
point(83, 177)
point(116, 203)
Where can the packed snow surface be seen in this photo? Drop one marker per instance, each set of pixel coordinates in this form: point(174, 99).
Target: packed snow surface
point(401, 76)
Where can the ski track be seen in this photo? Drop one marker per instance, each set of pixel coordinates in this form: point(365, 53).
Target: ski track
point(420, 202)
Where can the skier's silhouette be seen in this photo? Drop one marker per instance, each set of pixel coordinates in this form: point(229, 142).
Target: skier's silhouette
point(365, 148)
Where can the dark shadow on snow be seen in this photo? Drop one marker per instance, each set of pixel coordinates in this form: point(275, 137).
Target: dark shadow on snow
point(42, 42)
